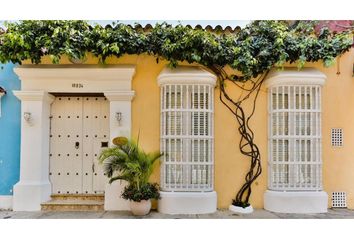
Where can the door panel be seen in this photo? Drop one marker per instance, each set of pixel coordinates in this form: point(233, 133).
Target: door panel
point(95, 127)
point(76, 125)
point(99, 180)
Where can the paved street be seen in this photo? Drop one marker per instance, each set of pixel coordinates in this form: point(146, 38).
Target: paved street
point(220, 214)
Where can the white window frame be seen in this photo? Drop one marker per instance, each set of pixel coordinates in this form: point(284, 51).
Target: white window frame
point(189, 165)
point(296, 121)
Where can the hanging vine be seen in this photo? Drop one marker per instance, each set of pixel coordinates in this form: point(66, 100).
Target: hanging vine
point(250, 52)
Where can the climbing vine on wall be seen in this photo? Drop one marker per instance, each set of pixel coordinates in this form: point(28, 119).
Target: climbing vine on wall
point(251, 52)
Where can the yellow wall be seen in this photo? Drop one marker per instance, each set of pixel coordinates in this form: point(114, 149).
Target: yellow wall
point(230, 164)
point(338, 112)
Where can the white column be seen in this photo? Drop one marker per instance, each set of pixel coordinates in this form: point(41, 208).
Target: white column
point(119, 102)
point(34, 186)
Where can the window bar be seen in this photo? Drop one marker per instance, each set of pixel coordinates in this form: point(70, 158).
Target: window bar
point(277, 139)
point(274, 168)
point(182, 140)
point(174, 91)
point(320, 112)
point(300, 184)
point(162, 145)
point(320, 137)
point(205, 163)
point(181, 152)
point(297, 137)
point(299, 166)
point(205, 113)
point(193, 174)
point(270, 135)
point(313, 181)
point(318, 123)
point(167, 116)
point(293, 125)
point(169, 136)
point(318, 166)
point(168, 164)
point(282, 173)
point(198, 136)
point(211, 133)
point(165, 139)
point(289, 140)
point(305, 140)
point(274, 141)
point(161, 127)
point(273, 158)
point(314, 154)
point(188, 176)
point(206, 142)
point(165, 157)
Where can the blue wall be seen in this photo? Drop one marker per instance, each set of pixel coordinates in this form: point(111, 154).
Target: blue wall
point(10, 130)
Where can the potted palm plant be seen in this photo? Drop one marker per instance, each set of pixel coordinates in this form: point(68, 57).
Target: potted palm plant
point(126, 161)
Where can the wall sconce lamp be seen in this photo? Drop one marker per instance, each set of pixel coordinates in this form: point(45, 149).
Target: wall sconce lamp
point(27, 116)
point(118, 116)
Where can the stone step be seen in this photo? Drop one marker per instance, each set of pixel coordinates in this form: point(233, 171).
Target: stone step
point(73, 205)
point(97, 197)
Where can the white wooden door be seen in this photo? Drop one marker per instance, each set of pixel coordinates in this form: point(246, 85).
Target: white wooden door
point(79, 130)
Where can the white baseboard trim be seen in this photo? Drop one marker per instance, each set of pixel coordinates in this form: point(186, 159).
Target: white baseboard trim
point(187, 202)
point(6, 202)
point(296, 202)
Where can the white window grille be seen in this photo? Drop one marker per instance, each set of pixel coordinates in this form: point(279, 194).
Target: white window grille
point(337, 137)
point(187, 137)
point(295, 138)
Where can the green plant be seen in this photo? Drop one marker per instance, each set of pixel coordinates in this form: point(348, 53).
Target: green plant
point(127, 161)
point(146, 192)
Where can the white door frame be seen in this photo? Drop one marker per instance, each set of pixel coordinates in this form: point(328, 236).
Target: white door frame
point(114, 81)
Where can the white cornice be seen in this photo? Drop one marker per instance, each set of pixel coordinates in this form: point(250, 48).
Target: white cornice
point(119, 95)
point(292, 76)
point(116, 73)
point(186, 75)
point(34, 96)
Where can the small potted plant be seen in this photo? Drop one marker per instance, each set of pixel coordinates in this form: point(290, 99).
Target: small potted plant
point(126, 161)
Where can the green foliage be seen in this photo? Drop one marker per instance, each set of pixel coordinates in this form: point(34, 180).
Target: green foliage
point(251, 51)
point(146, 192)
point(126, 161)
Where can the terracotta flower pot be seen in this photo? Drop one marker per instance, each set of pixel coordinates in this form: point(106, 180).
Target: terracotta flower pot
point(140, 208)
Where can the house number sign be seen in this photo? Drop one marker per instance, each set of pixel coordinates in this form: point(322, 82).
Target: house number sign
point(77, 85)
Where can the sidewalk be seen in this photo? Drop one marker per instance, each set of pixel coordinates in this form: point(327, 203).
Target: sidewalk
point(220, 214)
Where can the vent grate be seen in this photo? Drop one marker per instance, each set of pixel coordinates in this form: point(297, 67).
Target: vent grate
point(339, 199)
point(337, 137)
